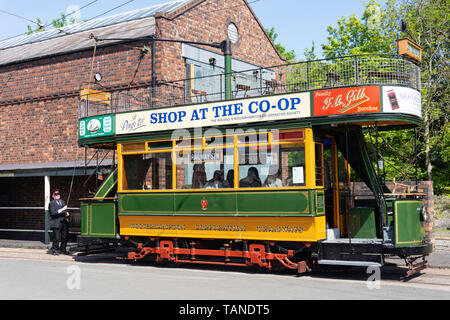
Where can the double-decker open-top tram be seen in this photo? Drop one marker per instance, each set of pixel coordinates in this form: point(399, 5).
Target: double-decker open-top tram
point(262, 179)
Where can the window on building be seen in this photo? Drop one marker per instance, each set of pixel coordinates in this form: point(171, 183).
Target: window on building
point(204, 81)
point(233, 34)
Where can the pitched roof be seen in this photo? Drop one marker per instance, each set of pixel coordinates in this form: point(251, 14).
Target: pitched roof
point(137, 23)
point(72, 38)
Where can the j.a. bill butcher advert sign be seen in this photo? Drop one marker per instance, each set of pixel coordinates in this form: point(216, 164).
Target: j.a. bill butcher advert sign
point(290, 106)
point(347, 101)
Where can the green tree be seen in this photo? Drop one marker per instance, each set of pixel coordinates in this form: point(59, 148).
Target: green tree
point(427, 22)
point(310, 54)
point(353, 35)
point(376, 32)
point(289, 55)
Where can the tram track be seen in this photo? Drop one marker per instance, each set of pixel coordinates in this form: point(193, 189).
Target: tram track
point(390, 274)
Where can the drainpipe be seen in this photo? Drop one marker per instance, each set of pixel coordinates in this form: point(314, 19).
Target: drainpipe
point(153, 71)
point(226, 49)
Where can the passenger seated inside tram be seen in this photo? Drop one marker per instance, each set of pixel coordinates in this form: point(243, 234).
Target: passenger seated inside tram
point(229, 183)
point(273, 179)
point(216, 182)
point(289, 180)
point(199, 176)
point(251, 180)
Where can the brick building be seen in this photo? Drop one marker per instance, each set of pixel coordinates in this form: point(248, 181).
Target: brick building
point(41, 76)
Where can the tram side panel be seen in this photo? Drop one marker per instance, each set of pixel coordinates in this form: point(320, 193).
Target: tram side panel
point(99, 214)
point(271, 216)
point(408, 222)
point(98, 219)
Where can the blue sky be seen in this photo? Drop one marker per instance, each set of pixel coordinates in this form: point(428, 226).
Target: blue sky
point(297, 22)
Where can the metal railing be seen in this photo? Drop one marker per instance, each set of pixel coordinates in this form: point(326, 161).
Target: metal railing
point(359, 70)
point(75, 221)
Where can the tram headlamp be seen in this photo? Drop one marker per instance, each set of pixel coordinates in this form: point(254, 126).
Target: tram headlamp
point(423, 213)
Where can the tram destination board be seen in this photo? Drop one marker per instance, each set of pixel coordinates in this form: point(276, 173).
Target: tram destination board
point(270, 108)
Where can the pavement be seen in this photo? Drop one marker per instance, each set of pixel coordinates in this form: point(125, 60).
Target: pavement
point(440, 258)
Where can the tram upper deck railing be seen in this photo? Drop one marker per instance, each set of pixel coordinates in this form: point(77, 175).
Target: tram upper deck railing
point(359, 70)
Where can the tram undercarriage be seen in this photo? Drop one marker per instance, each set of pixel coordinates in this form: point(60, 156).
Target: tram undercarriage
point(272, 255)
point(232, 253)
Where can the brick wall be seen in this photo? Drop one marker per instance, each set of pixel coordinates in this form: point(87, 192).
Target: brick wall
point(45, 130)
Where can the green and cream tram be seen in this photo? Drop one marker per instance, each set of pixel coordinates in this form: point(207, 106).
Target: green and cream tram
point(263, 180)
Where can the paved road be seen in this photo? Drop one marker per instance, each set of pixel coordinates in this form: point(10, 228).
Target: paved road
point(32, 274)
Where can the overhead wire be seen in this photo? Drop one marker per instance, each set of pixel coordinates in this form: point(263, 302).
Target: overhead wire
point(116, 7)
point(119, 6)
point(71, 13)
point(110, 10)
point(42, 26)
point(23, 18)
point(88, 4)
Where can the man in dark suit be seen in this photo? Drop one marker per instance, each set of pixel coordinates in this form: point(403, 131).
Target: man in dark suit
point(59, 223)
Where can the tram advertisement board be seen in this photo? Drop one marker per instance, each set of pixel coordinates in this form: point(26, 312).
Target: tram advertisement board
point(96, 127)
point(402, 100)
point(270, 108)
point(354, 100)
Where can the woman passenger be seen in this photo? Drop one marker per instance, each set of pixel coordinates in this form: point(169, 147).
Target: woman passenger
point(229, 183)
point(199, 176)
point(252, 179)
point(216, 181)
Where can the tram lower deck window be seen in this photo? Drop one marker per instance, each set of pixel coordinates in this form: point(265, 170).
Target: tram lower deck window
point(217, 162)
point(205, 169)
point(272, 166)
point(148, 171)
